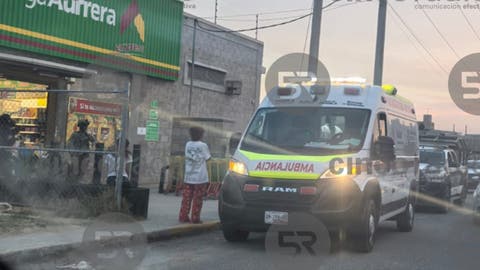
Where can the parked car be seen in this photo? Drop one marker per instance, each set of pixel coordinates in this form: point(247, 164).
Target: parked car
point(473, 174)
point(441, 178)
point(476, 205)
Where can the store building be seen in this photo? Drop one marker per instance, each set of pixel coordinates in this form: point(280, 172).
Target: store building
point(141, 46)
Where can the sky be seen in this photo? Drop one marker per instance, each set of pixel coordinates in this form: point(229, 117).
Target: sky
point(418, 65)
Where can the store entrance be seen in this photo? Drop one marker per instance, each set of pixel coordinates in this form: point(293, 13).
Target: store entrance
point(27, 108)
point(37, 113)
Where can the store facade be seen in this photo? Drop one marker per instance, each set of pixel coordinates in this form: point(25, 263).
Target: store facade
point(142, 46)
point(55, 44)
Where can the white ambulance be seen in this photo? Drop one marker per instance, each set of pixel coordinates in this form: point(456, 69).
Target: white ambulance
point(346, 154)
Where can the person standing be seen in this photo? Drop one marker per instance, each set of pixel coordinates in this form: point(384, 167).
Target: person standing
point(81, 140)
point(7, 139)
point(196, 176)
point(7, 130)
point(111, 163)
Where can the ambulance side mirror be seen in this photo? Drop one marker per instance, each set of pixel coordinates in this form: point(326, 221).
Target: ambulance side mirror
point(385, 149)
point(234, 142)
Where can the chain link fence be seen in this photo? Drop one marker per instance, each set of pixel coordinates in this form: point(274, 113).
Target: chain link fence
point(59, 147)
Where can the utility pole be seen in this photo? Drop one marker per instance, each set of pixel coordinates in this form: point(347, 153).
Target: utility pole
point(315, 36)
point(256, 28)
point(192, 71)
point(379, 52)
point(216, 11)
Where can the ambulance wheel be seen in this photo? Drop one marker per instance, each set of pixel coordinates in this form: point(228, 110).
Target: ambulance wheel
point(232, 234)
point(364, 238)
point(445, 201)
point(405, 219)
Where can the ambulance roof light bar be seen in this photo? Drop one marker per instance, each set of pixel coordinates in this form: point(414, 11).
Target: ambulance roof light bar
point(285, 91)
point(349, 80)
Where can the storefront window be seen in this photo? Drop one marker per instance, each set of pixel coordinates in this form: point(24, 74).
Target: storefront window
point(28, 110)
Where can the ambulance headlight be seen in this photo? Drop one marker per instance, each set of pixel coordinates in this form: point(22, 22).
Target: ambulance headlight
point(237, 167)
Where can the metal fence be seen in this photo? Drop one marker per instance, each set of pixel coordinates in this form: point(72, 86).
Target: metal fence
point(53, 156)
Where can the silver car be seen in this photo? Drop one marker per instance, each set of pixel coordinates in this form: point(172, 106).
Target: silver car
point(476, 205)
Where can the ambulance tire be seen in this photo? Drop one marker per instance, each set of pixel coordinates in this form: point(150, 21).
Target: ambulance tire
point(444, 206)
point(463, 197)
point(364, 239)
point(405, 219)
point(232, 234)
point(335, 241)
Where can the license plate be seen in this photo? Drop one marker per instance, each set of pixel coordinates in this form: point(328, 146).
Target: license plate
point(273, 217)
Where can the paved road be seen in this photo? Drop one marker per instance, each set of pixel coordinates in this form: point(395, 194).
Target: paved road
point(438, 242)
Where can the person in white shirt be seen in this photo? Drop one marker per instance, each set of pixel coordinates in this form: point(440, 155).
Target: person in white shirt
point(111, 164)
point(329, 129)
point(196, 176)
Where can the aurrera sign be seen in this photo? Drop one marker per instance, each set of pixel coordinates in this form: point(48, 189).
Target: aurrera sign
point(140, 36)
point(83, 8)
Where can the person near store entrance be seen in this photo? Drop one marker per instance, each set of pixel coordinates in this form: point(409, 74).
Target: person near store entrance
point(7, 130)
point(80, 140)
point(111, 165)
point(196, 176)
point(7, 138)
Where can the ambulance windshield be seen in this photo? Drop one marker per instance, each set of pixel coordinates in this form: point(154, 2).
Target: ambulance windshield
point(307, 131)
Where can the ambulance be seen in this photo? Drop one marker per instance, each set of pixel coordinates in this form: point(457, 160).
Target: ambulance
point(346, 154)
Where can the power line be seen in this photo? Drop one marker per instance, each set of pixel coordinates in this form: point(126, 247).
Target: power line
point(277, 18)
point(262, 13)
point(469, 24)
point(417, 39)
point(440, 33)
point(266, 26)
point(331, 3)
point(255, 28)
point(263, 20)
point(227, 18)
point(412, 42)
point(344, 5)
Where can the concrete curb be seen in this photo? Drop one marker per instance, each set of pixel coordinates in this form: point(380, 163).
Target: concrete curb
point(29, 255)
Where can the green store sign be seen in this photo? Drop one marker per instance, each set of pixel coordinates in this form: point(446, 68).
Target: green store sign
point(140, 36)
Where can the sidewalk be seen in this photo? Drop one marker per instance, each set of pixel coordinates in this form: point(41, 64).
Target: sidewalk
point(162, 221)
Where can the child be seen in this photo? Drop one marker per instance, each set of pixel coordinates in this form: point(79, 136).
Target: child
point(196, 176)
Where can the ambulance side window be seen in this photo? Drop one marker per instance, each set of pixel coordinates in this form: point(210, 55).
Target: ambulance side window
point(381, 124)
point(379, 129)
